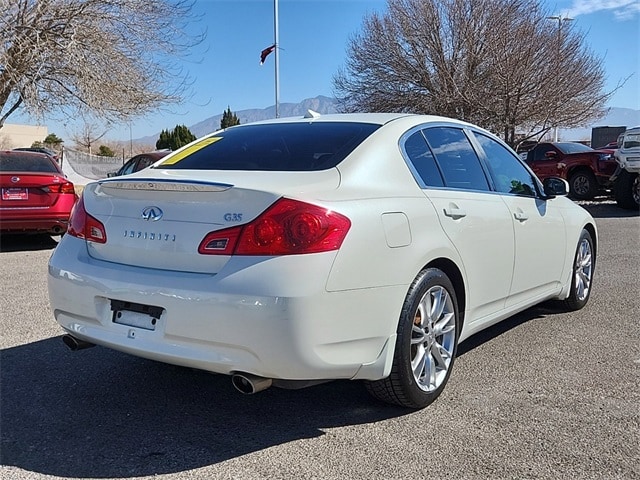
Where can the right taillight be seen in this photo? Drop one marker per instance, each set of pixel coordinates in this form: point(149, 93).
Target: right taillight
point(288, 227)
point(83, 225)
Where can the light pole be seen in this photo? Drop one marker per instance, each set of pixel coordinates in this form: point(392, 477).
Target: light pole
point(560, 19)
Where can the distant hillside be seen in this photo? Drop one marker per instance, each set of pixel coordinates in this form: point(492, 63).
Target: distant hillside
point(616, 117)
point(320, 104)
point(324, 105)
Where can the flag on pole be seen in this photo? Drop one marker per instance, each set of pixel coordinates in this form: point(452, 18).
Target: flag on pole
point(265, 53)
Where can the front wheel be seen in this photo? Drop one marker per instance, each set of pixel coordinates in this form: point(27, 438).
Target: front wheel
point(627, 190)
point(426, 344)
point(583, 265)
point(583, 185)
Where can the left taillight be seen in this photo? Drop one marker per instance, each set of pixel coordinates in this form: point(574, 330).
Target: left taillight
point(288, 227)
point(83, 225)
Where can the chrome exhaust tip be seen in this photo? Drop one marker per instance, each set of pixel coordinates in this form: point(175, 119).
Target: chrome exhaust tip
point(76, 344)
point(249, 384)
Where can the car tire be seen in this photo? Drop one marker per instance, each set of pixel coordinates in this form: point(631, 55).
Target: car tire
point(583, 185)
point(626, 190)
point(581, 273)
point(426, 343)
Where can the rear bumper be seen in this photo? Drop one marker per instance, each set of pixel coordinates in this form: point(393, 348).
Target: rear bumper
point(240, 320)
point(52, 225)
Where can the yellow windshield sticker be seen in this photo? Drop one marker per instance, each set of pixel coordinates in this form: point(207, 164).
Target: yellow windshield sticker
point(173, 159)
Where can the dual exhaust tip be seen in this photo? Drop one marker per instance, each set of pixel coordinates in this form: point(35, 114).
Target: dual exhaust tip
point(249, 384)
point(243, 382)
point(76, 344)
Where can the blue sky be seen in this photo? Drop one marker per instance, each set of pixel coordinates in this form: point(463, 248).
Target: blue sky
point(313, 36)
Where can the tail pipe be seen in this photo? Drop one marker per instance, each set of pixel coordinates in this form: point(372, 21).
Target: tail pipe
point(75, 344)
point(249, 384)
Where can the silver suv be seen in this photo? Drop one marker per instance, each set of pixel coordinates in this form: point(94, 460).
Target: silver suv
point(626, 179)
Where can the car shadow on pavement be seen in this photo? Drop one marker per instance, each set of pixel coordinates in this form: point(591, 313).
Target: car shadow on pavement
point(24, 243)
point(550, 307)
point(99, 413)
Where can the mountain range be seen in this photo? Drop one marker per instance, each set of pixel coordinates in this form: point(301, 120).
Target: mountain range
point(324, 105)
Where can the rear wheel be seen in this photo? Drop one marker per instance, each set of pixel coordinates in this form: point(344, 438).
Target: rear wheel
point(627, 190)
point(426, 343)
point(583, 185)
point(583, 264)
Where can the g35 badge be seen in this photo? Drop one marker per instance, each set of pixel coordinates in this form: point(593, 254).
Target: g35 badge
point(233, 217)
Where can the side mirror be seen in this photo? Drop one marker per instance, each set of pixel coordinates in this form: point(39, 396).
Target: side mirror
point(555, 187)
point(550, 155)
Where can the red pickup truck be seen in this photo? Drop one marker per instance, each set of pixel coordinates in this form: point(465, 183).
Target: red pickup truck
point(587, 170)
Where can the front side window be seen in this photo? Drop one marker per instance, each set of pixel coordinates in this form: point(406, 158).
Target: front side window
point(456, 158)
point(291, 147)
point(507, 173)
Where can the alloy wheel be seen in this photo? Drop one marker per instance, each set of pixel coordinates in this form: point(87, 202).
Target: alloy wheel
point(583, 270)
point(433, 338)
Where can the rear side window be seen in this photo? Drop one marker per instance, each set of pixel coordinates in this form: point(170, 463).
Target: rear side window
point(274, 147)
point(422, 160)
point(458, 162)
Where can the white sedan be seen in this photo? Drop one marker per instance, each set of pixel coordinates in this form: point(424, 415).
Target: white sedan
point(296, 251)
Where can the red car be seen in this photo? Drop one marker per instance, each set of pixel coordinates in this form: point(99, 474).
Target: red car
point(587, 170)
point(36, 196)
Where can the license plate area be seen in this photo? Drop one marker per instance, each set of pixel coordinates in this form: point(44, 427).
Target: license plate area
point(135, 314)
point(15, 193)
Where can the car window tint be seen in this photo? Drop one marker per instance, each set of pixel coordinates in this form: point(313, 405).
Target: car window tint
point(508, 174)
point(540, 151)
point(456, 158)
point(422, 160)
point(30, 163)
point(129, 166)
point(144, 162)
point(278, 147)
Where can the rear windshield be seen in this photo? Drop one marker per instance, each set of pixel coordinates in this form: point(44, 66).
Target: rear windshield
point(274, 147)
point(16, 162)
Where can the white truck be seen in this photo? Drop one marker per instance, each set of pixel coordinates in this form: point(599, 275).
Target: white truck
point(626, 179)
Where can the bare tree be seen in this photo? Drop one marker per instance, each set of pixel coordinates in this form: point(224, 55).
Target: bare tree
point(88, 134)
point(498, 63)
point(116, 59)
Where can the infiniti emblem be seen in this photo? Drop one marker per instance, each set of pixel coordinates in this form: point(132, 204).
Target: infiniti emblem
point(15, 179)
point(152, 213)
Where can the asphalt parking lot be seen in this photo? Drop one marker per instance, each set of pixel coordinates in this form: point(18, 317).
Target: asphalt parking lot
point(545, 395)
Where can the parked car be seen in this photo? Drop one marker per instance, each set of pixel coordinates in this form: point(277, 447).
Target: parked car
point(626, 178)
point(587, 170)
point(36, 195)
point(46, 151)
point(138, 162)
point(296, 251)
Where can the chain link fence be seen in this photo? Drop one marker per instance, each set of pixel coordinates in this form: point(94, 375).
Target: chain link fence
point(94, 167)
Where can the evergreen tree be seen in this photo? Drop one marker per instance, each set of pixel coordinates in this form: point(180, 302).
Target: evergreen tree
point(105, 151)
point(229, 119)
point(175, 139)
point(53, 141)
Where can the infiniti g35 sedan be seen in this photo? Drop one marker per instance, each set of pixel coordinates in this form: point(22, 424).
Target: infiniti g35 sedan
point(300, 250)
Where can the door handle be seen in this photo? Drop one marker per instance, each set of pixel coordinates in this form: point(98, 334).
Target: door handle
point(521, 216)
point(454, 212)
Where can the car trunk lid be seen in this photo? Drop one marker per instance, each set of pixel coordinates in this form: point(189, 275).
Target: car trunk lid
point(159, 223)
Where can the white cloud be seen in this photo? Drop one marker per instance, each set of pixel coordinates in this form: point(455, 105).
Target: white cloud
point(622, 9)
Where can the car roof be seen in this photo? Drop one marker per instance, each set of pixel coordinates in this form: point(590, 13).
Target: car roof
point(374, 118)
